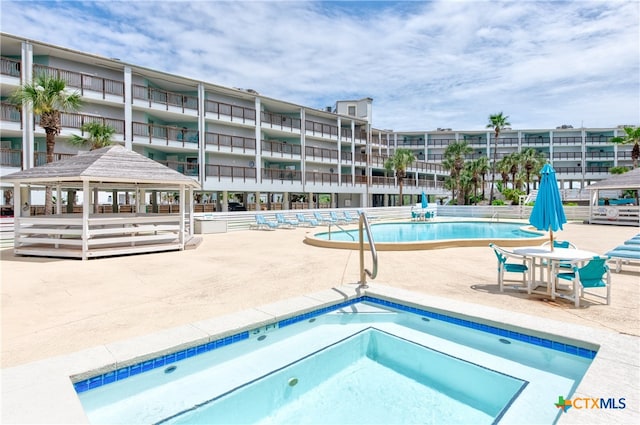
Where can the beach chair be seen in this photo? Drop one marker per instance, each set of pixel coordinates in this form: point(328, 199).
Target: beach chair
point(306, 221)
point(264, 224)
point(520, 266)
point(286, 222)
point(594, 274)
point(335, 218)
point(349, 217)
point(323, 220)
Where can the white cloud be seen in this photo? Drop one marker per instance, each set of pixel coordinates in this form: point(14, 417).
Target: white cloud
point(425, 64)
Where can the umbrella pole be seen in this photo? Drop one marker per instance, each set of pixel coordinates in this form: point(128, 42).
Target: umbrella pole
point(551, 238)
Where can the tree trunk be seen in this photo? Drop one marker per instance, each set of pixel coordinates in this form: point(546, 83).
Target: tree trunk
point(48, 193)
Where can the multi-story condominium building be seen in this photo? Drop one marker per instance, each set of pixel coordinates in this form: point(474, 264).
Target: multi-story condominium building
point(257, 150)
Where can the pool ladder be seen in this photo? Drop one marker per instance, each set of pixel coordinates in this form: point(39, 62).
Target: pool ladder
point(363, 224)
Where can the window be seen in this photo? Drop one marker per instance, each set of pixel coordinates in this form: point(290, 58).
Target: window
point(352, 111)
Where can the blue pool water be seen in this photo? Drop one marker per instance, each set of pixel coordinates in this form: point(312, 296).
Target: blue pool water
point(435, 231)
point(363, 361)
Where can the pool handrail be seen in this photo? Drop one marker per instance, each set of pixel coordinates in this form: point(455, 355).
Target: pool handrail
point(363, 223)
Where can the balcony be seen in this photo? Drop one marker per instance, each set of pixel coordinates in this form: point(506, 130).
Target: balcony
point(567, 141)
point(278, 149)
point(279, 175)
point(440, 142)
point(320, 179)
point(280, 122)
point(318, 129)
point(186, 168)
point(86, 83)
point(536, 140)
point(229, 143)
point(569, 155)
point(166, 135)
point(320, 154)
point(598, 140)
point(231, 113)
point(383, 181)
point(40, 158)
point(10, 67)
point(169, 101)
point(230, 173)
point(11, 158)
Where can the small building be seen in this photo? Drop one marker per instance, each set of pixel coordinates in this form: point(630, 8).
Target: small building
point(607, 202)
point(85, 231)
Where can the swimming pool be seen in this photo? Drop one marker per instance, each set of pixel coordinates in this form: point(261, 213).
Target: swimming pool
point(324, 365)
point(430, 235)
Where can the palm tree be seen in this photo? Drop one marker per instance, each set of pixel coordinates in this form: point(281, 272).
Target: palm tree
point(47, 97)
point(532, 161)
point(482, 166)
point(478, 167)
point(632, 136)
point(98, 136)
point(498, 122)
point(504, 168)
point(454, 157)
point(399, 163)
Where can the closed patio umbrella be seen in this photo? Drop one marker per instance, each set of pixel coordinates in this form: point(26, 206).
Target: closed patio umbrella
point(548, 213)
point(425, 202)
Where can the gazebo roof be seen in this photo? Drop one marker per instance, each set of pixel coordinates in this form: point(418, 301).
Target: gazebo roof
point(112, 164)
point(628, 180)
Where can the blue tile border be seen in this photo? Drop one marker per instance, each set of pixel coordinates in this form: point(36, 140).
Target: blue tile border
point(135, 369)
point(530, 339)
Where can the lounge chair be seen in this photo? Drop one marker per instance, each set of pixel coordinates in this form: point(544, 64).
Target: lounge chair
point(324, 220)
point(286, 222)
point(334, 217)
point(628, 252)
point(520, 266)
point(306, 221)
point(347, 216)
point(263, 223)
point(594, 274)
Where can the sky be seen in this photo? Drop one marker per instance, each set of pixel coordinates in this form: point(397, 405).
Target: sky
point(425, 64)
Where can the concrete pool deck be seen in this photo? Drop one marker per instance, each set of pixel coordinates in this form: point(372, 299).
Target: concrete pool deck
point(54, 310)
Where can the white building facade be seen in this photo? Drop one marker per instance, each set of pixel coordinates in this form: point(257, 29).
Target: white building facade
point(262, 152)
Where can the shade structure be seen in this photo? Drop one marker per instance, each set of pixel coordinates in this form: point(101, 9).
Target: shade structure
point(548, 213)
point(425, 202)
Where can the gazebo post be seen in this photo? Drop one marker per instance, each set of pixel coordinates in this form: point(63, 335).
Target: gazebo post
point(17, 211)
point(183, 195)
point(86, 207)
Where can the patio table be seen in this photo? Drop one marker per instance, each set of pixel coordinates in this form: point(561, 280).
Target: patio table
point(538, 253)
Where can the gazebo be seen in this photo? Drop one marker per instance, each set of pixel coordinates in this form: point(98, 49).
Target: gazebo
point(615, 211)
point(90, 233)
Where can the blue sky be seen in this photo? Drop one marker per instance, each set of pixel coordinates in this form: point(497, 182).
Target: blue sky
point(426, 64)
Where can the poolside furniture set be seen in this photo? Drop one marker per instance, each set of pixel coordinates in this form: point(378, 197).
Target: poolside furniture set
point(562, 272)
point(300, 220)
point(628, 252)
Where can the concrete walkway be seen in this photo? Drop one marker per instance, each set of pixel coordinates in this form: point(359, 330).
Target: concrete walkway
point(53, 306)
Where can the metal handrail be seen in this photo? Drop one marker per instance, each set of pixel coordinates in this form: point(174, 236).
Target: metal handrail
point(364, 223)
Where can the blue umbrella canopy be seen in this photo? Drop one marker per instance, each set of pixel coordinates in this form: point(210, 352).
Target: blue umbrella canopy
point(548, 213)
point(425, 202)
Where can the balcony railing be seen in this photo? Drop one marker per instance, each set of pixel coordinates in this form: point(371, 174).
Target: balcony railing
point(11, 158)
point(440, 142)
point(281, 149)
point(598, 140)
point(235, 113)
point(282, 122)
point(314, 177)
point(322, 154)
point(568, 155)
point(601, 155)
point(73, 120)
point(166, 98)
point(235, 143)
point(536, 140)
point(40, 158)
point(10, 113)
point(10, 67)
point(281, 175)
point(576, 140)
point(321, 129)
point(84, 82)
point(154, 132)
point(383, 181)
point(346, 133)
point(228, 172)
point(186, 168)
